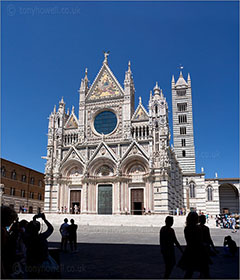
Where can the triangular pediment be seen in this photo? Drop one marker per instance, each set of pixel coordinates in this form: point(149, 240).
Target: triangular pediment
point(73, 154)
point(103, 151)
point(135, 149)
point(72, 122)
point(140, 114)
point(105, 86)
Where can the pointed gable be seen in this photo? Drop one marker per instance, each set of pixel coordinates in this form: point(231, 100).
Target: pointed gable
point(140, 114)
point(103, 151)
point(73, 154)
point(135, 149)
point(72, 122)
point(105, 86)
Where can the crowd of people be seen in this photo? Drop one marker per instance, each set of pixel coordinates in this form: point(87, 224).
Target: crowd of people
point(227, 221)
point(199, 248)
point(25, 249)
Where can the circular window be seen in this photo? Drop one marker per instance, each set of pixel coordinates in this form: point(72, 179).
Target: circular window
point(105, 122)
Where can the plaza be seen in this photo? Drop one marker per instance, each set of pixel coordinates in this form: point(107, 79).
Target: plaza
point(118, 251)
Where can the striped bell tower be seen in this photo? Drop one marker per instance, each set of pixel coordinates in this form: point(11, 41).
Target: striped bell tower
point(183, 137)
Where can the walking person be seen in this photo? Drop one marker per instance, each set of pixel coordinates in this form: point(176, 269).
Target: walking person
point(207, 240)
point(64, 232)
point(72, 230)
point(195, 256)
point(167, 241)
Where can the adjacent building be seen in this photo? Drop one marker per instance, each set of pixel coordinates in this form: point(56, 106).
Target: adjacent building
point(115, 159)
point(21, 187)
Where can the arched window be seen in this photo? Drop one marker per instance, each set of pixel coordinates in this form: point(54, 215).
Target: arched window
point(156, 109)
point(209, 193)
point(192, 190)
point(184, 153)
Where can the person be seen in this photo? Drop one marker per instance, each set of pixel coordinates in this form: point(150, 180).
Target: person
point(8, 217)
point(230, 246)
point(64, 232)
point(234, 224)
point(207, 217)
point(195, 256)
point(39, 263)
point(167, 241)
point(75, 209)
point(207, 240)
point(72, 231)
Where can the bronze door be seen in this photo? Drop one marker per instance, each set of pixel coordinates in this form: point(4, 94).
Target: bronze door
point(137, 201)
point(105, 199)
point(75, 199)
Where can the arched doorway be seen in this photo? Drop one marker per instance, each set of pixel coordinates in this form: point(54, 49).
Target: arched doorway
point(228, 198)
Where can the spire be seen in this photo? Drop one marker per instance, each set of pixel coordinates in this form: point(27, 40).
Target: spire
point(150, 95)
point(86, 77)
point(181, 81)
point(156, 89)
point(161, 93)
point(54, 109)
point(140, 100)
point(61, 101)
point(72, 109)
point(106, 54)
point(173, 81)
point(129, 66)
point(128, 75)
point(189, 80)
point(68, 111)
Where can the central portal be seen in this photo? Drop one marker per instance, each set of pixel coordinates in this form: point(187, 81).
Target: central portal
point(105, 199)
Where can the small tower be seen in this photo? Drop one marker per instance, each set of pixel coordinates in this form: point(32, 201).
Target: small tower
point(183, 136)
point(82, 96)
point(128, 106)
point(158, 112)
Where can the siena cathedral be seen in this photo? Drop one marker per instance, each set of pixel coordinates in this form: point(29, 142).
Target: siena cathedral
point(115, 158)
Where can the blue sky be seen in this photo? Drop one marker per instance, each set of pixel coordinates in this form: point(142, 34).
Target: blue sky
point(47, 45)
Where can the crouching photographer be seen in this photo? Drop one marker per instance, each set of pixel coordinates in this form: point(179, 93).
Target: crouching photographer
point(39, 263)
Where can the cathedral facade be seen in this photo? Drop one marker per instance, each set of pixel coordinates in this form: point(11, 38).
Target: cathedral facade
point(113, 159)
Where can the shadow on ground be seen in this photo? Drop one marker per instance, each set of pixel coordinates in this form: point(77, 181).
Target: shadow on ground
point(127, 261)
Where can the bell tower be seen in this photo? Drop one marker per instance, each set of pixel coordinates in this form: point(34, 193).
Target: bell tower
point(183, 136)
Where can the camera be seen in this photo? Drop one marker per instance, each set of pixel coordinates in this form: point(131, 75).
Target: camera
point(39, 215)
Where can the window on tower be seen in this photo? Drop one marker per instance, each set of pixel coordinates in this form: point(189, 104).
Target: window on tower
point(183, 130)
point(182, 107)
point(182, 118)
point(184, 153)
point(181, 92)
point(183, 142)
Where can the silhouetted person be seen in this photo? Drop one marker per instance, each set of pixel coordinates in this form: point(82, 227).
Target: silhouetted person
point(38, 259)
point(207, 240)
point(195, 256)
point(167, 241)
point(72, 230)
point(8, 252)
point(64, 232)
point(230, 246)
